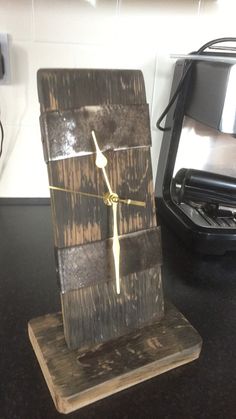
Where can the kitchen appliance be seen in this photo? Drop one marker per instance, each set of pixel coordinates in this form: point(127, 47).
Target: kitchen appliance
point(196, 176)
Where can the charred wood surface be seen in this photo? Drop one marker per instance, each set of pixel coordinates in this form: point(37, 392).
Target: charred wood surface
point(68, 133)
point(96, 313)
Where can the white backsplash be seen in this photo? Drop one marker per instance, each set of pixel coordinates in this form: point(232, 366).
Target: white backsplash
point(95, 34)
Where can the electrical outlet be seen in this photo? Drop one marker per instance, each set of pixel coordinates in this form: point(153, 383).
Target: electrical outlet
point(4, 43)
point(1, 64)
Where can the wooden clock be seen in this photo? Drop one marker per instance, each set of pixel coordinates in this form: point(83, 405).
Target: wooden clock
point(113, 105)
point(96, 139)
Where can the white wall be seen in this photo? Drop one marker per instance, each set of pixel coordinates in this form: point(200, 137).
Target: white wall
point(97, 34)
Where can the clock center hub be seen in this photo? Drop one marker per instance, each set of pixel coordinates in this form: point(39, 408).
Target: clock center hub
point(110, 198)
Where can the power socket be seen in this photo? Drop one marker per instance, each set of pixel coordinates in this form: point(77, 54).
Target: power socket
point(5, 57)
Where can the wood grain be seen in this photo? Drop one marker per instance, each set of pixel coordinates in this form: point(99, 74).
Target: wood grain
point(67, 133)
point(76, 379)
point(80, 220)
point(62, 89)
point(88, 264)
point(97, 313)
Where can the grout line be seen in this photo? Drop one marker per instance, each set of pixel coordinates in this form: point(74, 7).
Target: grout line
point(118, 6)
point(72, 43)
point(154, 91)
point(199, 7)
point(32, 20)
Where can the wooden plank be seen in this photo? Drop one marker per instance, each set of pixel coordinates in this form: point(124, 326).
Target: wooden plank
point(80, 219)
point(61, 89)
point(130, 171)
point(97, 313)
point(67, 133)
point(76, 380)
point(88, 264)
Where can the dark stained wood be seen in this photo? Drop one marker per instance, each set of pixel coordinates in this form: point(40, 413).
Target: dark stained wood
point(97, 313)
point(76, 379)
point(79, 220)
point(68, 133)
point(88, 264)
point(62, 89)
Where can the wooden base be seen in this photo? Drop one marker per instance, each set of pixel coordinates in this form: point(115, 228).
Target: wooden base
point(76, 379)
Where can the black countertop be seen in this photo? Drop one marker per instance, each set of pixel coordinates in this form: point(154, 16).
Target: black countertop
point(202, 287)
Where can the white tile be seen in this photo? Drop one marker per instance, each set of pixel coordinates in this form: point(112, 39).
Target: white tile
point(16, 19)
point(222, 8)
point(23, 172)
point(74, 21)
point(168, 7)
point(71, 37)
point(217, 19)
point(162, 86)
point(119, 58)
point(19, 100)
point(45, 56)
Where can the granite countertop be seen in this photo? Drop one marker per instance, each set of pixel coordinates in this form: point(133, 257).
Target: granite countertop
point(202, 287)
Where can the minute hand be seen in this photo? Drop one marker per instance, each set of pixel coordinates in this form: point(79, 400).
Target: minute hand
point(101, 162)
point(116, 248)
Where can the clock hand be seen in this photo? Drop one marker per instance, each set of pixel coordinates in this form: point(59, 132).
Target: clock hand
point(116, 247)
point(107, 197)
point(101, 161)
point(111, 199)
point(92, 195)
point(132, 202)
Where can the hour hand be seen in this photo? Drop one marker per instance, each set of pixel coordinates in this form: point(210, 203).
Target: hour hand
point(101, 161)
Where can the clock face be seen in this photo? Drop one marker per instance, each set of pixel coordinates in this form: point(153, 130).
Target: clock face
point(83, 218)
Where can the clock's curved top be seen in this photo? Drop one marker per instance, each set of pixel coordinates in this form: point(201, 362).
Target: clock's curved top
point(90, 87)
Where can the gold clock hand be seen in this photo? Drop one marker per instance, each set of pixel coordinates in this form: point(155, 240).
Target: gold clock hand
point(132, 202)
point(107, 197)
point(110, 199)
point(101, 161)
point(116, 247)
point(56, 188)
point(113, 197)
